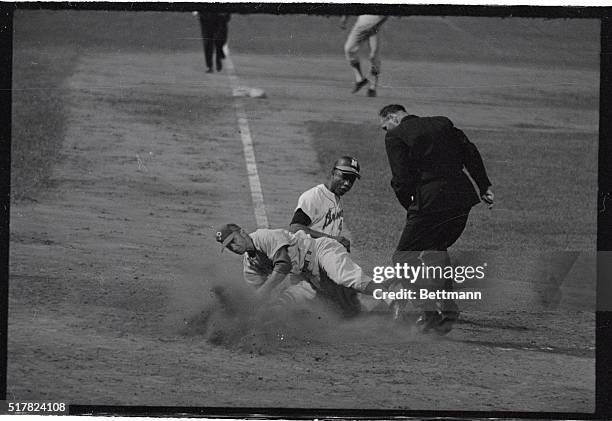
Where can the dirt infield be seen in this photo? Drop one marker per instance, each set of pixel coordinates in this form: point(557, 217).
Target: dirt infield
point(113, 266)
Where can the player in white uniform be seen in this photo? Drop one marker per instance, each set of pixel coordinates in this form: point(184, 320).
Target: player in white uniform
point(319, 210)
point(365, 28)
point(324, 266)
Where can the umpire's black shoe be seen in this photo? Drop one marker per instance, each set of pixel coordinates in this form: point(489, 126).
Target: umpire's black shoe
point(219, 65)
point(209, 70)
point(359, 85)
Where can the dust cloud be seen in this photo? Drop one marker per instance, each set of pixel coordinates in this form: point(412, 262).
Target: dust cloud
point(227, 312)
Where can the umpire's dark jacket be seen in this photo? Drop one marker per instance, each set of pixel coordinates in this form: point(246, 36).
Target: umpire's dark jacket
point(427, 156)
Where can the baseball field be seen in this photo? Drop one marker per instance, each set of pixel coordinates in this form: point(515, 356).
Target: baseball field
point(126, 155)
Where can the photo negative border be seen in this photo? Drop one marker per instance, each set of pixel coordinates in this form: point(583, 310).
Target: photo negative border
point(603, 403)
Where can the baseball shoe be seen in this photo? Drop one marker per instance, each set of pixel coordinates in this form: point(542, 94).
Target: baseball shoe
point(427, 321)
point(445, 325)
point(209, 70)
point(439, 322)
point(359, 85)
point(371, 92)
point(449, 312)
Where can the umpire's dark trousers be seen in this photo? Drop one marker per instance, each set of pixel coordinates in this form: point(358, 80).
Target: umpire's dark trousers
point(426, 238)
point(214, 37)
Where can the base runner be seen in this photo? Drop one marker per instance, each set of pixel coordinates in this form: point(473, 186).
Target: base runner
point(324, 266)
point(319, 210)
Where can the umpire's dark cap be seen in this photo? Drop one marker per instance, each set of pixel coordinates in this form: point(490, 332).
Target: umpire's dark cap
point(348, 165)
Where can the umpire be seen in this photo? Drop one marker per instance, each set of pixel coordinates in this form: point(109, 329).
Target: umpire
point(214, 37)
point(430, 160)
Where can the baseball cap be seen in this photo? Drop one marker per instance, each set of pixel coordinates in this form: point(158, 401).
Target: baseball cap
point(225, 233)
point(347, 164)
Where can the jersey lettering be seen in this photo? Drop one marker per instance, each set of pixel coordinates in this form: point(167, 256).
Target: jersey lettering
point(331, 216)
point(323, 209)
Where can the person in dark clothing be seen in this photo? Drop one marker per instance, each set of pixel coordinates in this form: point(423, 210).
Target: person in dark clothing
point(214, 37)
point(430, 160)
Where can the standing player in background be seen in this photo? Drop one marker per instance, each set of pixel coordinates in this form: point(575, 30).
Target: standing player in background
point(214, 37)
point(319, 210)
point(365, 28)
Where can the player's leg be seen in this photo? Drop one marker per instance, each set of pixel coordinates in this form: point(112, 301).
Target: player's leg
point(374, 57)
point(338, 265)
point(445, 233)
point(410, 251)
point(222, 36)
point(339, 298)
point(414, 240)
point(219, 41)
point(219, 55)
point(297, 295)
point(429, 236)
point(351, 52)
point(424, 243)
point(207, 40)
point(346, 276)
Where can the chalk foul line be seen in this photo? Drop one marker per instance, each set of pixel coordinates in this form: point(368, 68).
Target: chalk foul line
point(247, 145)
